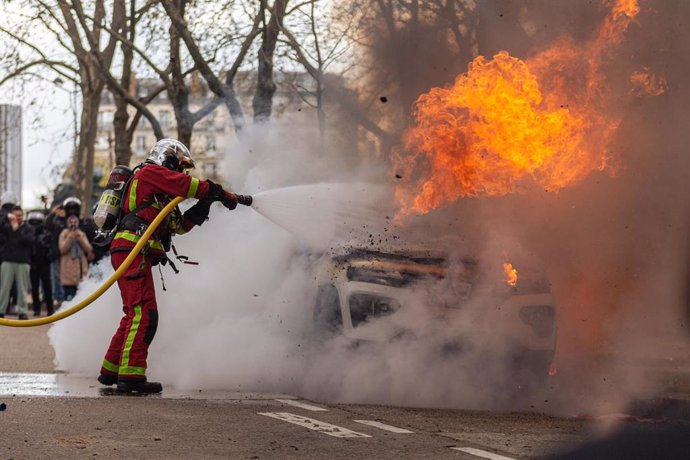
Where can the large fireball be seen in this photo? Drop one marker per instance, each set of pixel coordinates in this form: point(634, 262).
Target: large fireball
point(507, 125)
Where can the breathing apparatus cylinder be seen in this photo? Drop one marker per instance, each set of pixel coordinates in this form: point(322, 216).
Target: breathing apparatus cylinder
point(107, 213)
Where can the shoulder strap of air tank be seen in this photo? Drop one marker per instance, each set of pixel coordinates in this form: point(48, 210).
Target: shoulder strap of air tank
point(144, 204)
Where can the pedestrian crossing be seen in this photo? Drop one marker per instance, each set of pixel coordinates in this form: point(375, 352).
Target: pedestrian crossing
point(338, 431)
point(324, 427)
point(315, 425)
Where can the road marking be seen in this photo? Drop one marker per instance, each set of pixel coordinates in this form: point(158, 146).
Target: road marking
point(481, 453)
point(292, 402)
point(310, 423)
point(383, 426)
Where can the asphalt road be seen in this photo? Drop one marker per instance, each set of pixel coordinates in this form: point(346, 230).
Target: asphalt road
point(49, 415)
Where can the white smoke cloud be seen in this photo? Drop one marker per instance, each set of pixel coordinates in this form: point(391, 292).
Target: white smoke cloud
point(242, 319)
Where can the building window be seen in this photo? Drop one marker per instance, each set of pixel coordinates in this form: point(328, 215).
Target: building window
point(140, 145)
point(105, 120)
point(164, 119)
point(210, 143)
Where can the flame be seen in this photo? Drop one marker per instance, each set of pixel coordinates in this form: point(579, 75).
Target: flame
point(511, 274)
point(647, 82)
point(553, 370)
point(507, 125)
point(629, 8)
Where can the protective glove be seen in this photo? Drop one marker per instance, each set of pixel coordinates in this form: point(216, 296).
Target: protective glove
point(229, 200)
point(215, 192)
point(198, 214)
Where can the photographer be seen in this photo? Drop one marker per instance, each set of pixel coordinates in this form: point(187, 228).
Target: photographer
point(75, 252)
point(19, 239)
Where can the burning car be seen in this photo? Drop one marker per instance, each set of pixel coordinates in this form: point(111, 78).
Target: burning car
point(360, 287)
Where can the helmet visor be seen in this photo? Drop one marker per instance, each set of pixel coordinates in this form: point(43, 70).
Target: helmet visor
point(186, 164)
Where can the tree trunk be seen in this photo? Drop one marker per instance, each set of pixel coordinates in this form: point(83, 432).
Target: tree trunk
point(123, 136)
point(265, 87)
point(123, 139)
point(184, 126)
point(88, 128)
point(90, 138)
point(320, 113)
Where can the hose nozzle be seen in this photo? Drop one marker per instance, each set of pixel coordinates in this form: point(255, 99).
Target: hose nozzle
point(245, 199)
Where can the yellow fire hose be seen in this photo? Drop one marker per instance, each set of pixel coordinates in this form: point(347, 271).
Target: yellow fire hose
point(109, 282)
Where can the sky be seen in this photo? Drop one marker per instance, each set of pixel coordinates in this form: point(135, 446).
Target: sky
point(46, 141)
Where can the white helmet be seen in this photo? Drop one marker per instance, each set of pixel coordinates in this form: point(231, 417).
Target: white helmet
point(72, 205)
point(171, 154)
point(35, 217)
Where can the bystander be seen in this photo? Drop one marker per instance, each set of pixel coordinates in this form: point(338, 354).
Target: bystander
point(75, 252)
point(42, 255)
point(15, 267)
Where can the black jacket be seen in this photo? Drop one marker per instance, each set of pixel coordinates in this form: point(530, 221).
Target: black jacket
point(43, 251)
point(4, 210)
point(18, 244)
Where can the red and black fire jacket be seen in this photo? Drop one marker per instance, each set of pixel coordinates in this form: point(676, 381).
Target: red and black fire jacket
point(157, 185)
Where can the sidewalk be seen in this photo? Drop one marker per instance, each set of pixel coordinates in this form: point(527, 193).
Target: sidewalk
point(25, 349)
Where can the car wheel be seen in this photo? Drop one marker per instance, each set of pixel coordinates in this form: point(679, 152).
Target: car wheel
point(530, 369)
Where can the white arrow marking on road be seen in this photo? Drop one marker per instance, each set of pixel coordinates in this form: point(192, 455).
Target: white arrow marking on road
point(481, 453)
point(383, 426)
point(292, 402)
point(316, 425)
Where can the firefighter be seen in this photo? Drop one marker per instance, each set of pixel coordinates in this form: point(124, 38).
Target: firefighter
point(163, 176)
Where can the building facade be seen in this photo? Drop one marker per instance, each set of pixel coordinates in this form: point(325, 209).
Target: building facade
point(11, 150)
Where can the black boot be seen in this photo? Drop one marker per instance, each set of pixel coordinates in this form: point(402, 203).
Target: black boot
point(107, 380)
point(139, 387)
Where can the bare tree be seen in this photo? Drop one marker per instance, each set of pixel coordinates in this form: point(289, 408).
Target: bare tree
point(173, 76)
point(403, 47)
point(85, 34)
point(220, 82)
point(86, 37)
point(84, 43)
point(124, 126)
point(316, 41)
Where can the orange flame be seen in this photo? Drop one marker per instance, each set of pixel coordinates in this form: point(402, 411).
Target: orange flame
point(506, 124)
point(511, 274)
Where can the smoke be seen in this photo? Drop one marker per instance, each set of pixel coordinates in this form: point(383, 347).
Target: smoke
point(242, 318)
point(615, 249)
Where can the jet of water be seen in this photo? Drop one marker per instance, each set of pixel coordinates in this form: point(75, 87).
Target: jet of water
point(327, 214)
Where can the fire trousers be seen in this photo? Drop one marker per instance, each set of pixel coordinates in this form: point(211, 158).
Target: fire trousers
point(129, 347)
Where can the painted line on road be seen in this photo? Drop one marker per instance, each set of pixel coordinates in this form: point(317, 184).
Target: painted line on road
point(316, 425)
point(481, 453)
point(383, 426)
point(292, 402)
